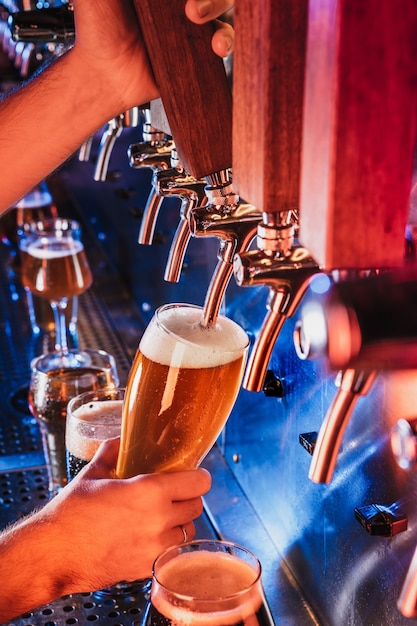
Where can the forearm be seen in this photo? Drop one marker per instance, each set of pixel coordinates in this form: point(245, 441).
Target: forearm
point(47, 119)
point(33, 566)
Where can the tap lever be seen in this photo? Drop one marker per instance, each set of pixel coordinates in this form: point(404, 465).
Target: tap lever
point(353, 384)
point(187, 70)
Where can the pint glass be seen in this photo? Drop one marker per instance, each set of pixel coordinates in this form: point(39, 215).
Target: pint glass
point(207, 583)
point(181, 390)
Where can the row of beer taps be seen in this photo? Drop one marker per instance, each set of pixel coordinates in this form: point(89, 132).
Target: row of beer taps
point(258, 243)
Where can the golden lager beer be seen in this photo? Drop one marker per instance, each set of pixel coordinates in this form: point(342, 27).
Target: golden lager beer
point(207, 583)
point(181, 390)
point(55, 267)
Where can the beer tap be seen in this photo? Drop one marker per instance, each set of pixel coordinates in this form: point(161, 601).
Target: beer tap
point(287, 269)
point(351, 182)
point(353, 385)
point(184, 63)
point(234, 223)
point(176, 182)
point(154, 152)
point(113, 130)
point(267, 130)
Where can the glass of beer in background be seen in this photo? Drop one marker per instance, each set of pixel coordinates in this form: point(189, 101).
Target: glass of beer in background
point(52, 386)
point(207, 583)
point(92, 417)
point(181, 389)
point(55, 267)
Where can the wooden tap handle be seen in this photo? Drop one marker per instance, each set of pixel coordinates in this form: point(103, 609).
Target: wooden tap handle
point(193, 85)
point(268, 86)
point(359, 131)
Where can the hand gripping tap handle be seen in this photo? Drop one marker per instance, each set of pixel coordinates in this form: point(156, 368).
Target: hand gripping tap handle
point(193, 85)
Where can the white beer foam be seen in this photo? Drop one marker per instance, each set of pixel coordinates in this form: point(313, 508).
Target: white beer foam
point(190, 345)
point(63, 248)
point(98, 421)
point(211, 577)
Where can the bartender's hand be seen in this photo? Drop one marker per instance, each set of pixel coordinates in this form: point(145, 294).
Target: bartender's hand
point(108, 38)
point(97, 531)
point(200, 11)
point(119, 526)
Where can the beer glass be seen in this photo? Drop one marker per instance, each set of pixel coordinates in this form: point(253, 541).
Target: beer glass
point(207, 583)
point(181, 389)
point(92, 417)
point(55, 267)
point(52, 385)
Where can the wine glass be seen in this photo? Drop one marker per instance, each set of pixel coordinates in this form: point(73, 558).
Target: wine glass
point(52, 385)
point(55, 267)
point(210, 583)
point(181, 389)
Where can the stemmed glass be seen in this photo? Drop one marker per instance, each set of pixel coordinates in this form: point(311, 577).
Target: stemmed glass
point(55, 267)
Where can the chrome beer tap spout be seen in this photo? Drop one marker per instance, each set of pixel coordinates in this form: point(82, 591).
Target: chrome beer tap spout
point(235, 224)
point(175, 182)
point(155, 152)
point(287, 269)
point(353, 385)
point(113, 130)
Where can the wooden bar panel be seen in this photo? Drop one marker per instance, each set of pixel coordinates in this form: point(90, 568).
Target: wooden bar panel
point(268, 84)
point(193, 85)
point(359, 131)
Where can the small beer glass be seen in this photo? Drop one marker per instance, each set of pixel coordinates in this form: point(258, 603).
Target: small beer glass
point(52, 385)
point(181, 389)
point(92, 417)
point(207, 583)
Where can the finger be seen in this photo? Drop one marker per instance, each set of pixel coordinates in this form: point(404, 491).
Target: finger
point(200, 11)
point(185, 511)
point(104, 461)
point(223, 40)
point(178, 486)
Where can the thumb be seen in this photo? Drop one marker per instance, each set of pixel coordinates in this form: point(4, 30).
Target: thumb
point(103, 463)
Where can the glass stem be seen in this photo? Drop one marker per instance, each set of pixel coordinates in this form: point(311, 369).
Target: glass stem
point(59, 308)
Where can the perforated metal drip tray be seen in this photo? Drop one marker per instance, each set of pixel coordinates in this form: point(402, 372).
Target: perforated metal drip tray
point(84, 608)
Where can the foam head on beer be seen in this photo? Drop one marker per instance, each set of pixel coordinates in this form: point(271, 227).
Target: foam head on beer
point(207, 587)
point(181, 390)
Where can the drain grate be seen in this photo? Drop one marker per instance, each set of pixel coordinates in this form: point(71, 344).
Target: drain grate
point(84, 608)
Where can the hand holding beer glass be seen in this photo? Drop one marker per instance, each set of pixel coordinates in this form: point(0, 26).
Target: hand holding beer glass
point(55, 267)
point(181, 389)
